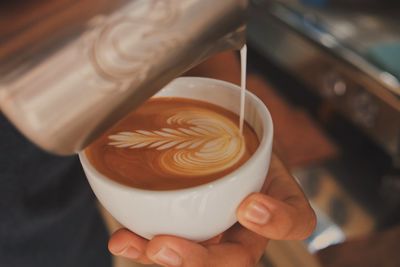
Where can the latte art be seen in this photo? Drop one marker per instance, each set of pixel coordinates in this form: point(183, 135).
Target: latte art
point(201, 142)
point(172, 143)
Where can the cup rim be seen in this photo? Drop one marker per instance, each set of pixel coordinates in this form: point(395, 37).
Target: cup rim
point(265, 144)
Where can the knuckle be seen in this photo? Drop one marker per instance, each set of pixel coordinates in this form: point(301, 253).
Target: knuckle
point(250, 261)
point(309, 224)
point(287, 232)
point(289, 227)
point(312, 223)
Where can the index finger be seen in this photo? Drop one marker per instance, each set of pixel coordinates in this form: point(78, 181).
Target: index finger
point(280, 184)
point(281, 210)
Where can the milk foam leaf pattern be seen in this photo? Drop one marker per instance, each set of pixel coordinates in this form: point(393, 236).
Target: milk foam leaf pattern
point(161, 139)
point(198, 142)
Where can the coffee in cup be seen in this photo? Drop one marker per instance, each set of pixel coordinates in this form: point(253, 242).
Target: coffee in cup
point(173, 143)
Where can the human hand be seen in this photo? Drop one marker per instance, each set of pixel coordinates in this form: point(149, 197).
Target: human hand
point(280, 211)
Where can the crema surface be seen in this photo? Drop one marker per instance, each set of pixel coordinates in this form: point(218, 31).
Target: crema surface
point(173, 143)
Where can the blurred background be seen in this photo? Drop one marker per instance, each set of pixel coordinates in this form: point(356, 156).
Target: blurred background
point(333, 69)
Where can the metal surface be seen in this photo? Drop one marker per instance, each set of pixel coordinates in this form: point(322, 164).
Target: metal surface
point(365, 94)
point(70, 69)
point(340, 216)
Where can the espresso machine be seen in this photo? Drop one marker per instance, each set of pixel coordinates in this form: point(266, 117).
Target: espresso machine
point(70, 69)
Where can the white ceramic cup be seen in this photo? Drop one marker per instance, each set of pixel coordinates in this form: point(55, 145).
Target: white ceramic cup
point(201, 212)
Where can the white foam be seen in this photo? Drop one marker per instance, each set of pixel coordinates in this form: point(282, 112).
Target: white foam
point(211, 143)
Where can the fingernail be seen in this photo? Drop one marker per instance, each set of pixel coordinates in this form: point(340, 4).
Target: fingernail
point(130, 253)
point(167, 256)
point(257, 213)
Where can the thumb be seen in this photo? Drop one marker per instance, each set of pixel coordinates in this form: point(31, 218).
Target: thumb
point(275, 219)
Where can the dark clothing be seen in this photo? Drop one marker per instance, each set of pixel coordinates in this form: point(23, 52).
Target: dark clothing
point(48, 216)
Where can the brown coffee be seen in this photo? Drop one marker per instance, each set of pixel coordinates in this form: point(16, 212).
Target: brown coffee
point(173, 143)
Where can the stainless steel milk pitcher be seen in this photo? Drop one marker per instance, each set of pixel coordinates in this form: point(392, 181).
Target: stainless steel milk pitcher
point(69, 74)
